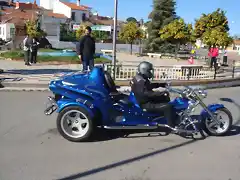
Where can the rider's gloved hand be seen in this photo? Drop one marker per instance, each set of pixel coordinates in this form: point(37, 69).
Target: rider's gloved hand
point(163, 85)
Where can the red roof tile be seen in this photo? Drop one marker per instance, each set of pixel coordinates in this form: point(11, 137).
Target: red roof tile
point(56, 15)
point(75, 6)
point(18, 16)
point(21, 5)
point(104, 21)
point(236, 42)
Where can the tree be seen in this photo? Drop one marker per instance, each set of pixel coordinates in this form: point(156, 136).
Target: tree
point(131, 19)
point(177, 32)
point(147, 23)
point(81, 30)
point(131, 32)
point(217, 37)
point(213, 29)
point(66, 34)
point(33, 29)
point(100, 35)
point(163, 13)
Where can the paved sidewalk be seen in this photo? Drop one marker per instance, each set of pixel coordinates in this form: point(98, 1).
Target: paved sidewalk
point(127, 59)
point(42, 74)
point(36, 73)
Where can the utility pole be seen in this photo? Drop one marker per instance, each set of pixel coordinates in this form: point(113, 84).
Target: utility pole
point(115, 38)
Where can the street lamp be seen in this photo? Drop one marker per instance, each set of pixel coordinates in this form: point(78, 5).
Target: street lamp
point(1, 70)
point(115, 38)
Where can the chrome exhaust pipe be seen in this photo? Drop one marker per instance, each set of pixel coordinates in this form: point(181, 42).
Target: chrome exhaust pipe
point(139, 127)
point(147, 127)
point(176, 130)
point(52, 107)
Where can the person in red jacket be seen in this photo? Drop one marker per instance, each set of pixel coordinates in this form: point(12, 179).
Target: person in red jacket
point(213, 54)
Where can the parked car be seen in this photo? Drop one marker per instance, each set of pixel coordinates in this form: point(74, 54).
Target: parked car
point(44, 43)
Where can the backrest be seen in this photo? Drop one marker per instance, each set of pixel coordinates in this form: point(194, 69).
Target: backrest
point(110, 82)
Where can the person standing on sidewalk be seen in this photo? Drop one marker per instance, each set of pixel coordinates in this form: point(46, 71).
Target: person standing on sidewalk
point(213, 54)
point(26, 49)
point(34, 49)
point(86, 49)
point(225, 56)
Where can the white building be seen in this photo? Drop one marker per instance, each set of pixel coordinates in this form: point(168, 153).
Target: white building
point(51, 22)
point(199, 43)
point(7, 31)
point(74, 11)
point(59, 11)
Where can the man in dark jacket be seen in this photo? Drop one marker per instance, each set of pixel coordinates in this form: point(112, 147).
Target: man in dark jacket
point(86, 50)
point(148, 99)
point(34, 50)
point(26, 49)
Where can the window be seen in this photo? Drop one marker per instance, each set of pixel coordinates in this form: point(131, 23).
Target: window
point(12, 31)
point(0, 30)
point(83, 17)
point(73, 16)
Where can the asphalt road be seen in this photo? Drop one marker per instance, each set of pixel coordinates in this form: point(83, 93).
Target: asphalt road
point(31, 148)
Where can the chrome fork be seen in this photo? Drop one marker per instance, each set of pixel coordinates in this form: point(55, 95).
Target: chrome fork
point(208, 111)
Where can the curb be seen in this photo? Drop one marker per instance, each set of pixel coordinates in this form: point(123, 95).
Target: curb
point(206, 82)
point(16, 89)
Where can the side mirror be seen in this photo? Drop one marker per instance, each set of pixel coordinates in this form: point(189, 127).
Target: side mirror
point(168, 83)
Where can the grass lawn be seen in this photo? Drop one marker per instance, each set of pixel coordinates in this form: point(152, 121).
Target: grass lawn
point(19, 55)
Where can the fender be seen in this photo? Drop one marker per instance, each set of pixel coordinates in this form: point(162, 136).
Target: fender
point(212, 108)
point(63, 103)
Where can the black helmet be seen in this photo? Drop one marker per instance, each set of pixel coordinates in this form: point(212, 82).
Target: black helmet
point(146, 69)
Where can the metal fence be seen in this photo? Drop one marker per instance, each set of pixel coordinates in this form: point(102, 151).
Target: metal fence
point(127, 72)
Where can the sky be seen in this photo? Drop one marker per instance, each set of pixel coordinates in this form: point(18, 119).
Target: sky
point(187, 9)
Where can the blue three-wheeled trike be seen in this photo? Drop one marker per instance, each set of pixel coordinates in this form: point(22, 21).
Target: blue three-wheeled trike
point(86, 101)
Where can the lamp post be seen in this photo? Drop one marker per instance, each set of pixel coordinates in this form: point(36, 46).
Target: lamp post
point(115, 38)
point(1, 70)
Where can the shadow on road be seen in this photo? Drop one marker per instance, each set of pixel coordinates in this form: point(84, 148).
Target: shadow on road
point(38, 71)
point(235, 130)
point(229, 100)
point(124, 162)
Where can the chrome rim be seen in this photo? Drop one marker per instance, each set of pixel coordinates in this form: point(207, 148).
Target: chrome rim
point(75, 124)
point(224, 120)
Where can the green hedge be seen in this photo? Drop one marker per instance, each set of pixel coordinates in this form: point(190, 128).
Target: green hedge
point(18, 55)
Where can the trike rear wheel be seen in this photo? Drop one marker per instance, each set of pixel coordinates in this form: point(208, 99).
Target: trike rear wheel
point(75, 124)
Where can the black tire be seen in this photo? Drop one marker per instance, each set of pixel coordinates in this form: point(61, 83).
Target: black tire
point(210, 133)
point(89, 133)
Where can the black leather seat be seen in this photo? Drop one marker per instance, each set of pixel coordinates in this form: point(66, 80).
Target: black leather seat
point(123, 98)
point(110, 83)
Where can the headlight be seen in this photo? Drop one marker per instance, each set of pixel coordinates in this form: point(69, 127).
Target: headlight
point(191, 105)
point(202, 94)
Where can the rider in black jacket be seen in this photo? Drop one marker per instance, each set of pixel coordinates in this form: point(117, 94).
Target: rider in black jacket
point(148, 99)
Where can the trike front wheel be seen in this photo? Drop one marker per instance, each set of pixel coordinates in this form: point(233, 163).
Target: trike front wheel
point(75, 124)
point(225, 118)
